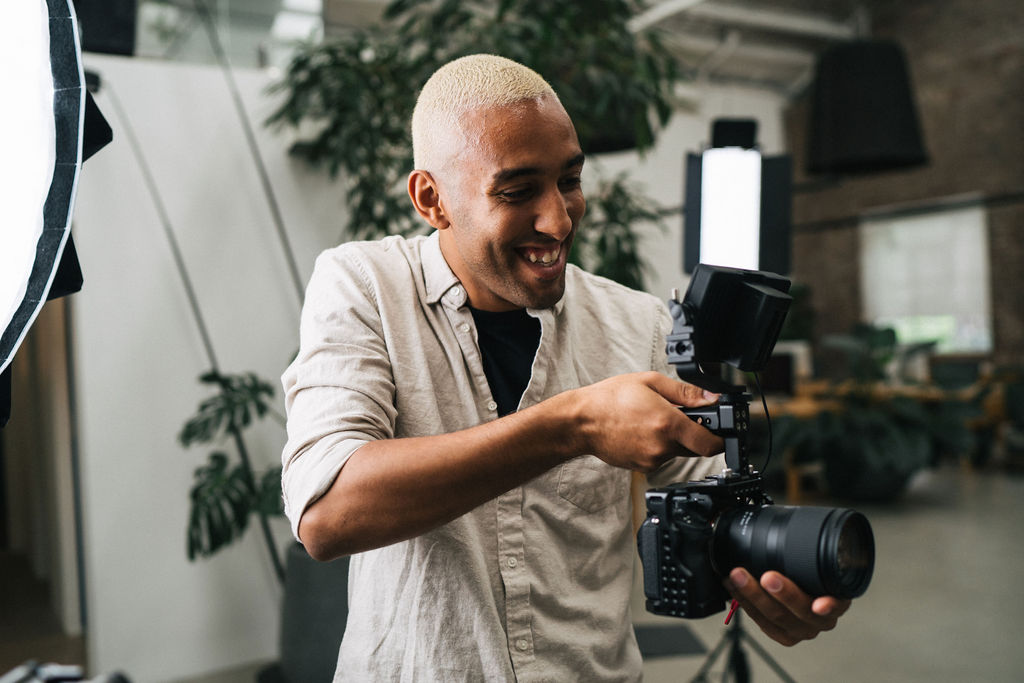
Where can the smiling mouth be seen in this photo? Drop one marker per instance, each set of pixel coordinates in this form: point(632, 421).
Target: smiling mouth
point(543, 257)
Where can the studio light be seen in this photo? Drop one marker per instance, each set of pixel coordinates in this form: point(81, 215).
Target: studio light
point(738, 203)
point(730, 206)
point(42, 132)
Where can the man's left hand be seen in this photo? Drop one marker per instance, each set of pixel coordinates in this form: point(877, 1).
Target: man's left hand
point(784, 612)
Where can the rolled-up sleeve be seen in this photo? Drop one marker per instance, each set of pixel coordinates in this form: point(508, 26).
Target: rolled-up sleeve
point(339, 391)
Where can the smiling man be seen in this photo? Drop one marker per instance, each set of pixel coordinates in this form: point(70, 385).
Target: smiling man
point(466, 408)
point(508, 204)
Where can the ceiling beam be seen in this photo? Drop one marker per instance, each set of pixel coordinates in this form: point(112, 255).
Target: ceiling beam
point(746, 16)
point(781, 56)
point(775, 20)
point(659, 13)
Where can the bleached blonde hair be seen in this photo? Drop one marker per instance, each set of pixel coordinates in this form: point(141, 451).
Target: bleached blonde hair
point(461, 85)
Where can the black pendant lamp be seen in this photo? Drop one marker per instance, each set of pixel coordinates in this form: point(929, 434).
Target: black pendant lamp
point(863, 116)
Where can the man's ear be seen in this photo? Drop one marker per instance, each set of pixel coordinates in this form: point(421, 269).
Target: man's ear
point(426, 198)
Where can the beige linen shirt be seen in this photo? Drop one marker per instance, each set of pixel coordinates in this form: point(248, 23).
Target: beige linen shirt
point(531, 586)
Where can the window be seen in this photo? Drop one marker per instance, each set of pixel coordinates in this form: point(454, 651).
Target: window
point(927, 276)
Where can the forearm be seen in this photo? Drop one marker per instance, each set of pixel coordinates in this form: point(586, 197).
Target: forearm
point(395, 489)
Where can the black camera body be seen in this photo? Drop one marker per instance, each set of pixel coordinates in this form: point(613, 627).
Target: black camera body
point(681, 575)
point(696, 532)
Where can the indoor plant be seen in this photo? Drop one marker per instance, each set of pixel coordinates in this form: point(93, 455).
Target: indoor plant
point(870, 435)
point(228, 492)
point(225, 496)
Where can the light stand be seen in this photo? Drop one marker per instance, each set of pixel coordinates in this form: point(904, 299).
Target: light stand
point(737, 663)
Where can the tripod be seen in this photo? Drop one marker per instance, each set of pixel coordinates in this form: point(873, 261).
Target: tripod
point(737, 663)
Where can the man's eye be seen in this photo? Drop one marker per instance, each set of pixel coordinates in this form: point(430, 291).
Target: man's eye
point(515, 195)
point(570, 183)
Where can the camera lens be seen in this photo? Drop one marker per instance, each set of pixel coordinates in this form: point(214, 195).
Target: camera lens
point(825, 551)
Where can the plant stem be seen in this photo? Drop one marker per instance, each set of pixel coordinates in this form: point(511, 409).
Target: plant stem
point(243, 453)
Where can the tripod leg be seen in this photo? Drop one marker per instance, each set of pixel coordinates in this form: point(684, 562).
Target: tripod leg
point(702, 674)
point(763, 654)
point(738, 664)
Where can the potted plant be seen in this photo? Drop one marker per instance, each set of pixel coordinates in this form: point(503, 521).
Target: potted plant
point(228, 492)
point(871, 436)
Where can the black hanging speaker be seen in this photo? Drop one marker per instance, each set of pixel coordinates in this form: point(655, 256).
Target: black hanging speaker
point(863, 116)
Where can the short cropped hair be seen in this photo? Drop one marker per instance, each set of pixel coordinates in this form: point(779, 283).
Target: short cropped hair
point(463, 84)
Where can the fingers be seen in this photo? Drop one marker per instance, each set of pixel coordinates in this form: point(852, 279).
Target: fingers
point(632, 421)
point(784, 612)
point(827, 606)
point(699, 440)
point(696, 439)
point(681, 393)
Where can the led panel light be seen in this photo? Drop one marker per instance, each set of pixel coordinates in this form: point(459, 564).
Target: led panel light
point(730, 229)
point(41, 136)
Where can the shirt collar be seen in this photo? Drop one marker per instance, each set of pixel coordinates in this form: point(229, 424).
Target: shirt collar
point(442, 284)
point(438, 277)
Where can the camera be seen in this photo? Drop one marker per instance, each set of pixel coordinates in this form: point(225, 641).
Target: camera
point(696, 532)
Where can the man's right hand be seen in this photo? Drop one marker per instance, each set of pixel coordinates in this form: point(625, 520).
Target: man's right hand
point(630, 421)
point(633, 421)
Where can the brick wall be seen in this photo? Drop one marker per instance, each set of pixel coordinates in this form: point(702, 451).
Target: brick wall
point(966, 59)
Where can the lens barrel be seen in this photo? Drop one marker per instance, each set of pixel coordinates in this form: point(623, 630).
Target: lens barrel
point(825, 551)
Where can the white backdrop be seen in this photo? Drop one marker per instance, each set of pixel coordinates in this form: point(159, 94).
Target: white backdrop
point(151, 613)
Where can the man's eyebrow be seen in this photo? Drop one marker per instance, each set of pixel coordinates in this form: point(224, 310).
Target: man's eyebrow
point(575, 161)
point(507, 174)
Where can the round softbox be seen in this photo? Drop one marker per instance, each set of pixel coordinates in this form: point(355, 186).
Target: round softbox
point(41, 135)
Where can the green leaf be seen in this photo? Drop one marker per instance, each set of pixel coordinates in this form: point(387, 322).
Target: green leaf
point(269, 500)
point(222, 501)
point(239, 398)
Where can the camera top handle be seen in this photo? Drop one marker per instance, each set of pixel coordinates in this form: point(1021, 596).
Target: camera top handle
point(738, 315)
point(730, 416)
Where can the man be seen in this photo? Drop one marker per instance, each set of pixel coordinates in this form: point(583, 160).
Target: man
point(465, 410)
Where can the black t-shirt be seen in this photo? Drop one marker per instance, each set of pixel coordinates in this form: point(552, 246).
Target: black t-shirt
point(508, 344)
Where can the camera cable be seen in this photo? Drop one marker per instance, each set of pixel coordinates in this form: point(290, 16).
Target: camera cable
point(768, 420)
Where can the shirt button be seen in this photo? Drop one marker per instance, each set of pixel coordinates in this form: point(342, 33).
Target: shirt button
point(456, 292)
point(492, 406)
point(463, 327)
point(512, 562)
point(522, 645)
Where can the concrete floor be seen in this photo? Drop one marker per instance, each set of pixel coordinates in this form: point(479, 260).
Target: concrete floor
point(944, 604)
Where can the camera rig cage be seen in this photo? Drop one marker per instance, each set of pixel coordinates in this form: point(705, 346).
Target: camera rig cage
point(729, 316)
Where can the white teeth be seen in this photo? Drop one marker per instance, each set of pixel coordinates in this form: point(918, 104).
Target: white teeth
point(547, 258)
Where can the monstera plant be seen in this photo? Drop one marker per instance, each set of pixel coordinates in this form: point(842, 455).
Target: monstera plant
point(227, 492)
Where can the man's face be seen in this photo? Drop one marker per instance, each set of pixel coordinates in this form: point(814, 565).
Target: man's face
point(512, 200)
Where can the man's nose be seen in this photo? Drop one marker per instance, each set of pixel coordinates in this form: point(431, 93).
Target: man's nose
point(554, 218)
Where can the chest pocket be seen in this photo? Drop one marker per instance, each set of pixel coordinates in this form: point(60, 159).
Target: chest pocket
point(591, 484)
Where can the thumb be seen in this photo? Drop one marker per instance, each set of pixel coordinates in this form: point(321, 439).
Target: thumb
point(682, 393)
